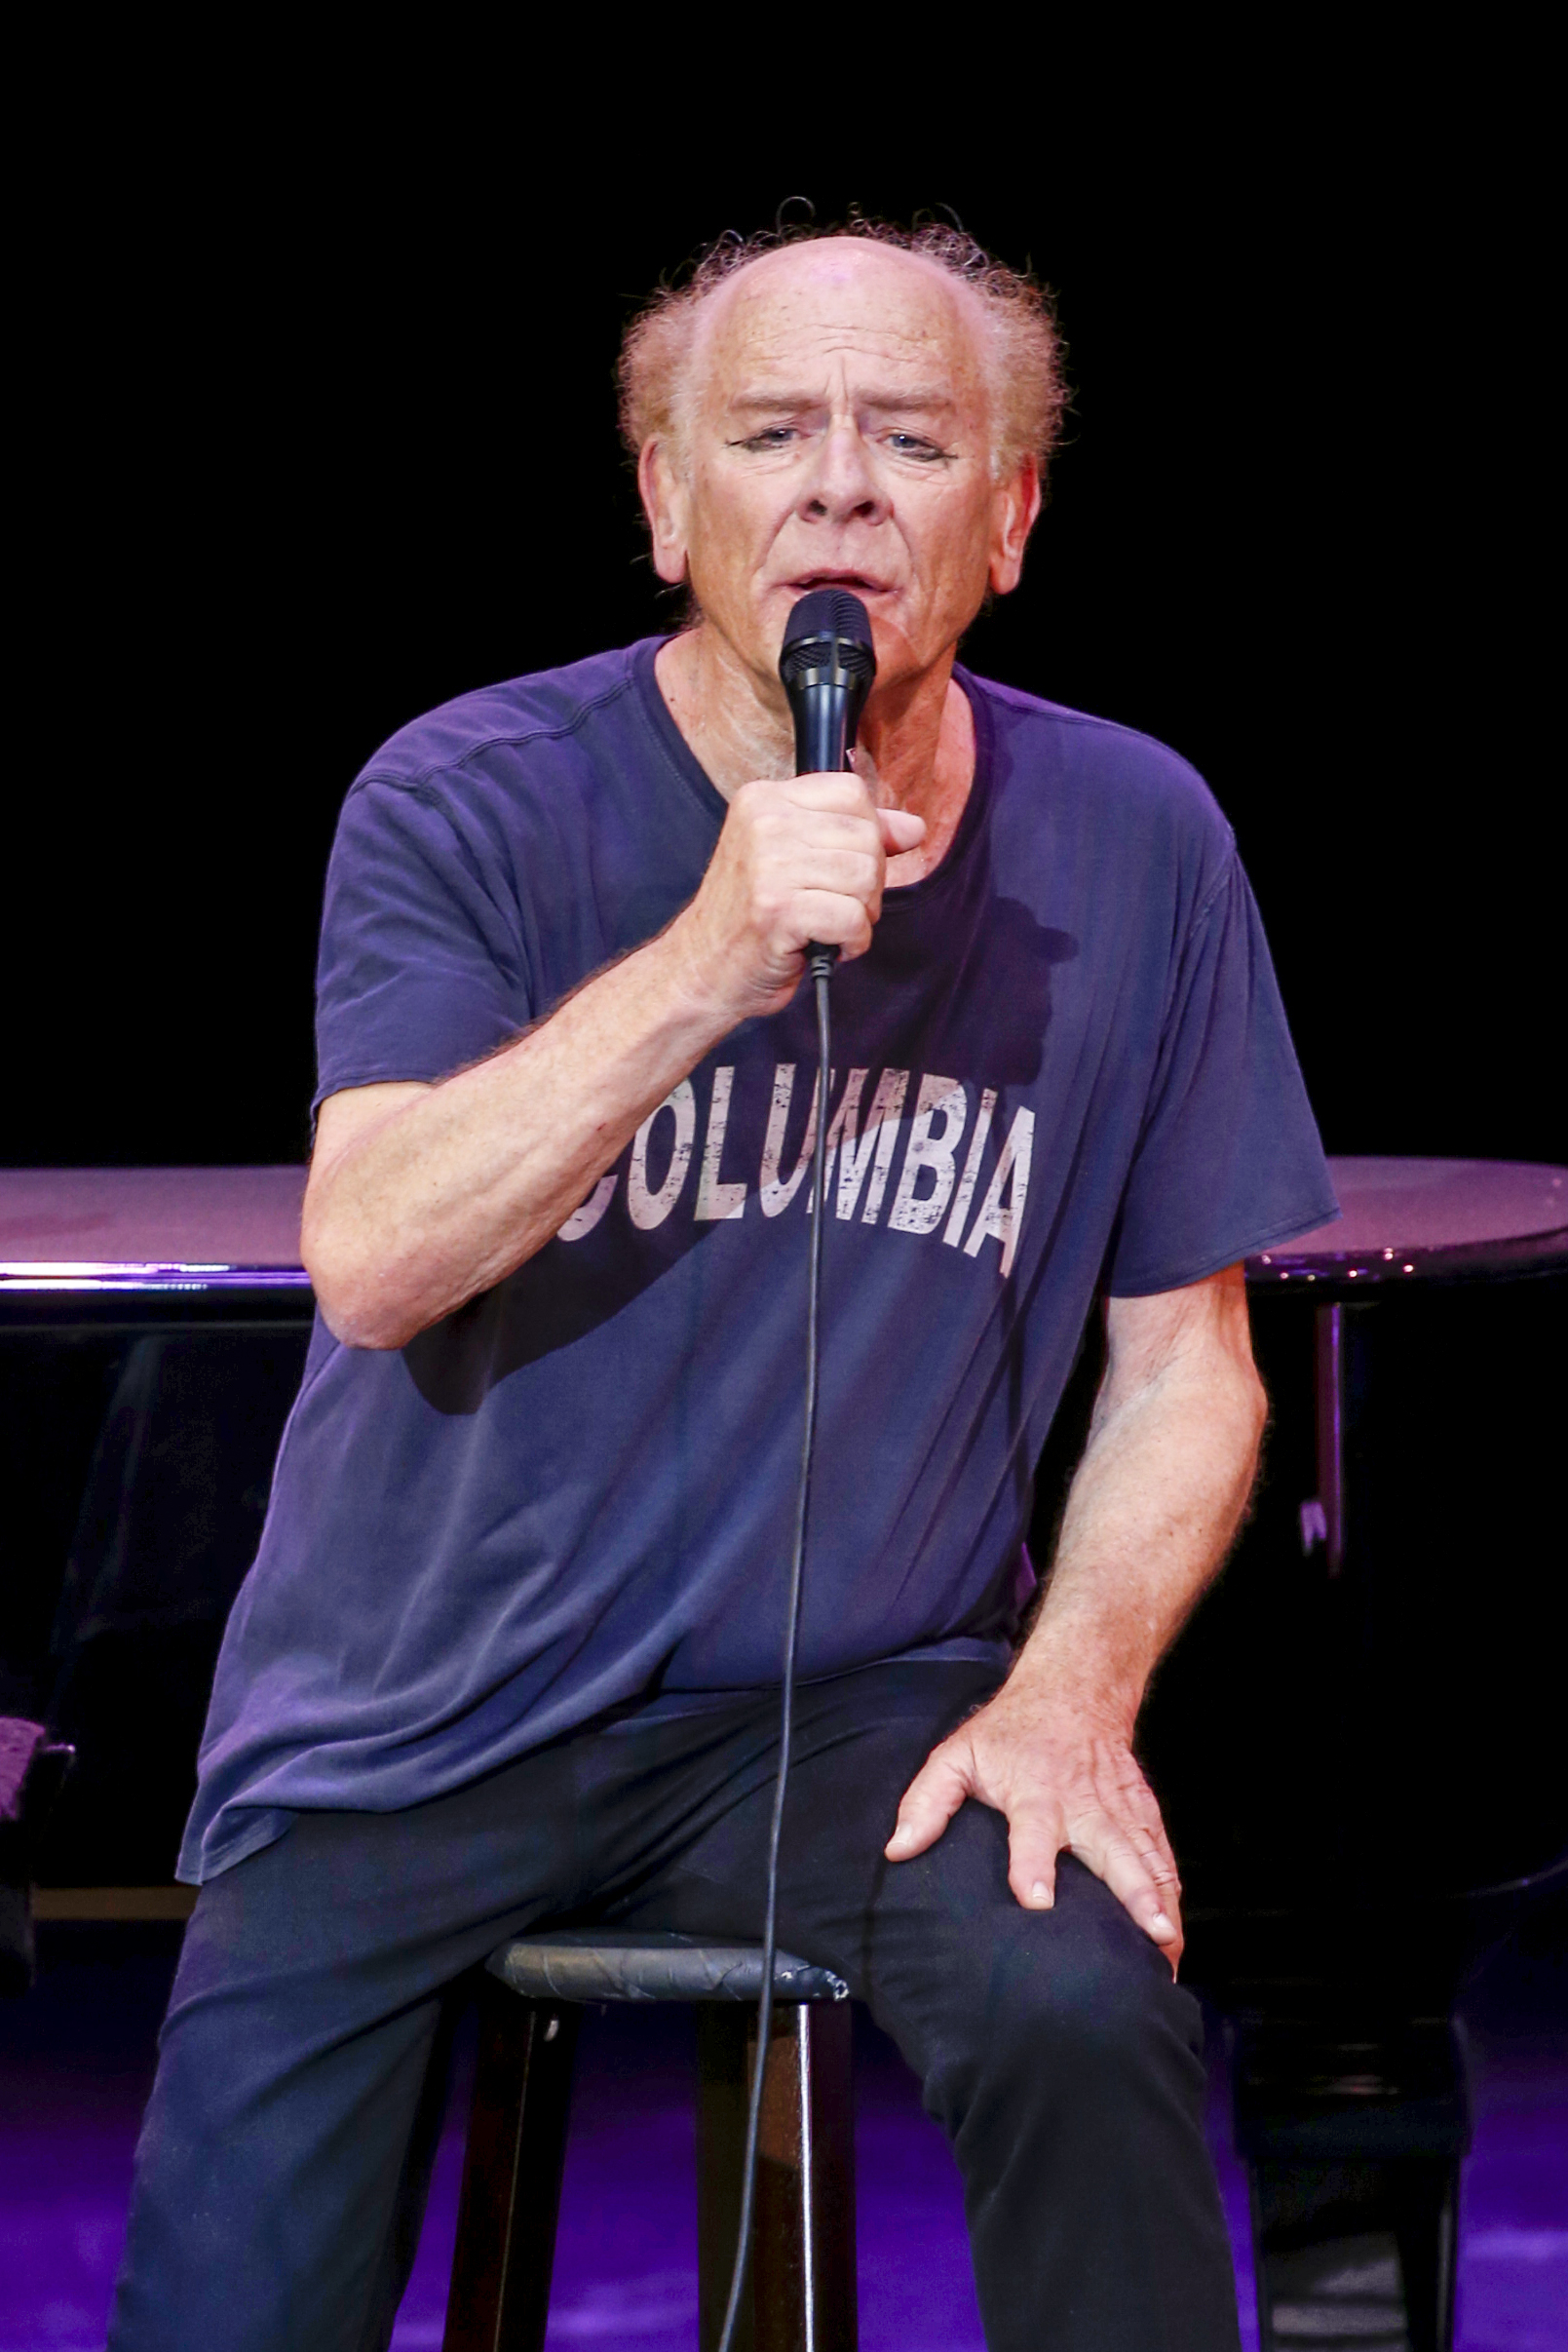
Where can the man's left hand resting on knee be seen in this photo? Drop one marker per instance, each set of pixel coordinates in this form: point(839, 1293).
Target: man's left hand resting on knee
point(1153, 1509)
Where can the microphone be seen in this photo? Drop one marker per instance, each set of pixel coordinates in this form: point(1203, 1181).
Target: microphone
point(826, 665)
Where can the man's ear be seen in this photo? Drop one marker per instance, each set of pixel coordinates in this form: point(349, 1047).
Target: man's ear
point(663, 502)
point(1013, 518)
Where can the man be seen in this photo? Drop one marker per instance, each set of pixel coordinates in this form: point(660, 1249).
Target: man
point(509, 1650)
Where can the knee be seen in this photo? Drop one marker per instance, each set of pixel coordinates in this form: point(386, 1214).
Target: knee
point(1071, 2008)
point(1066, 2006)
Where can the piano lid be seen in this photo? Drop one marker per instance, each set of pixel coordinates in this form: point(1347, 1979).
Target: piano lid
point(129, 1229)
point(218, 1229)
point(1430, 1220)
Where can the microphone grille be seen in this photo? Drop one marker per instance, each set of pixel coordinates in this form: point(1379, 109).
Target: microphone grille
point(828, 612)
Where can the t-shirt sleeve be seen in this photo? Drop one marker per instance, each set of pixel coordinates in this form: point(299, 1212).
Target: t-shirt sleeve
point(422, 963)
point(1227, 1160)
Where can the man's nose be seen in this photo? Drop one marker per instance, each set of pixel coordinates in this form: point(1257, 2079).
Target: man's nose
point(843, 486)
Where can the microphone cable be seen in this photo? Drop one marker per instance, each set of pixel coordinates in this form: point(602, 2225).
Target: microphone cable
point(820, 963)
point(827, 667)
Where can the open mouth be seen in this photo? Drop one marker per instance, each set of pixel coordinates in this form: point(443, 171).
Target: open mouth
point(862, 582)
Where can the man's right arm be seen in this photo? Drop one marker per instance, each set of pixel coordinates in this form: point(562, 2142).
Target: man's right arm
point(420, 1197)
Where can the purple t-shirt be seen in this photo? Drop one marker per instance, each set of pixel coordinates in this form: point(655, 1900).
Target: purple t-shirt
point(1062, 1065)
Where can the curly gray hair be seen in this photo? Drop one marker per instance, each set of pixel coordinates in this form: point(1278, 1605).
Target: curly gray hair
point(1024, 355)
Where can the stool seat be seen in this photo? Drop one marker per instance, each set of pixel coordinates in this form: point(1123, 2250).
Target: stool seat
point(532, 1993)
point(586, 1964)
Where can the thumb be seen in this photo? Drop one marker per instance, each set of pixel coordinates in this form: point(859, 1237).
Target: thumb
point(1035, 1837)
point(928, 1804)
point(901, 829)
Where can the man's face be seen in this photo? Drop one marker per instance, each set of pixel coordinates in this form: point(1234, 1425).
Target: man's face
point(839, 433)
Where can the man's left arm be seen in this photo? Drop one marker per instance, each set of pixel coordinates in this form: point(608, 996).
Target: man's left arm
point(1153, 1509)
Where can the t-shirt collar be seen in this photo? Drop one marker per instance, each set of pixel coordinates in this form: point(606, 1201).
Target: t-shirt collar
point(694, 779)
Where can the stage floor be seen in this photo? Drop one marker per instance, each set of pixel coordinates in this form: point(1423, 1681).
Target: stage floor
point(76, 2059)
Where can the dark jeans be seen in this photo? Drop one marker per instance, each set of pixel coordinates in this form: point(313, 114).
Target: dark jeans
point(286, 2153)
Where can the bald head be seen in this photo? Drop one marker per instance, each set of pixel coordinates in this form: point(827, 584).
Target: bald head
point(946, 280)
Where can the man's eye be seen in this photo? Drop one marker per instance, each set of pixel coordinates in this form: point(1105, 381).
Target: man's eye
point(771, 436)
point(911, 444)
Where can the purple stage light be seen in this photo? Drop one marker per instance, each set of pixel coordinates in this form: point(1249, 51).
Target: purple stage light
point(76, 2063)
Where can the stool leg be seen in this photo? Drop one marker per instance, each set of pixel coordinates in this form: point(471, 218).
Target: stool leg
point(725, 2038)
point(803, 2285)
point(512, 2170)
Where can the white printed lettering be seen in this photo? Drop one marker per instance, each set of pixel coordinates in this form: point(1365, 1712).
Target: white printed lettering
point(1003, 1220)
point(582, 1220)
point(845, 1115)
point(649, 1208)
point(876, 1145)
point(775, 1192)
point(913, 1212)
point(972, 1169)
point(715, 1199)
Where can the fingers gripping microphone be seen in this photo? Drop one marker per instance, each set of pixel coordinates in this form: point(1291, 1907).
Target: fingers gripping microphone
point(826, 665)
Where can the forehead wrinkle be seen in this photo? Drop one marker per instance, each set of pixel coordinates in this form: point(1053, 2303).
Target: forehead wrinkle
point(797, 359)
point(943, 325)
point(951, 403)
point(925, 396)
point(952, 317)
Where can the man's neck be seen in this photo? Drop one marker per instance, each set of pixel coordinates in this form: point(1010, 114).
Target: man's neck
point(916, 748)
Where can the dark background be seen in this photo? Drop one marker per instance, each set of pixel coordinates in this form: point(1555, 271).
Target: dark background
point(325, 433)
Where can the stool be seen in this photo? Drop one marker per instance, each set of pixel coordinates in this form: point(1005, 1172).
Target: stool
point(801, 2294)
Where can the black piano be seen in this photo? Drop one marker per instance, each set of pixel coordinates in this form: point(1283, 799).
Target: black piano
point(153, 1328)
point(1355, 1741)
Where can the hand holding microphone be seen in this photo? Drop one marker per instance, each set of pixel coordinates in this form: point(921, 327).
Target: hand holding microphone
point(800, 864)
point(828, 661)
